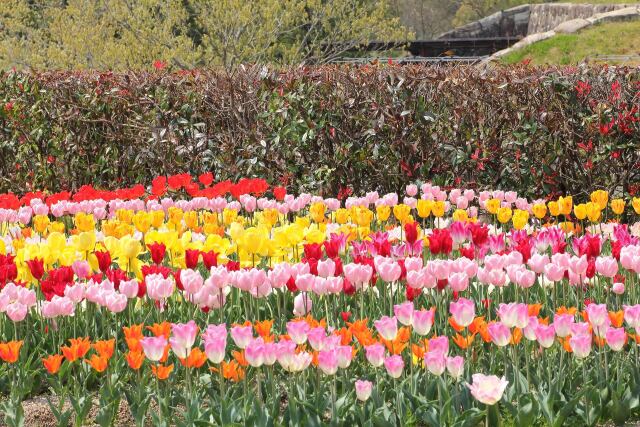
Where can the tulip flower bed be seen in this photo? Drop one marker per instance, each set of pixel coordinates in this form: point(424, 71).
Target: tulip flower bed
point(247, 305)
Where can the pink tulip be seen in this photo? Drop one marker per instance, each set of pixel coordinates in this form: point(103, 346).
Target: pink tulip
point(554, 272)
point(463, 311)
point(514, 315)
point(455, 366)
point(562, 324)
point(254, 353)
point(159, 288)
point(215, 350)
point(500, 333)
point(129, 288)
point(458, 282)
point(616, 338)
point(298, 331)
point(436, 362)
point(153, 347)
point(389, 271)
point(116, 302)
point(617, 288)
point(537, 262)
point(545, 335)
point(411, 190)
point(76, 292)
point(632, 315)
point(375, 354)
point(16, 311)
point(183, 336)
point(328, 362)
point(242, 335)
point(302, 304)
point(316, 337)
point(422, 321)
point(487, 389)
point(326, 268)
point(404, 312)
point(413, 264)
point(304, 282)
point(191, 280)
point(394, 365)
point(440, 343)
point(529, 331)
point(525, 278)
point(581, 345)
point(269, 353)
point(607, 266)
point(344, 354)
point(215, 332)
point(598, 314)
point(363, 390)
point(387, 327)
point(81, 269)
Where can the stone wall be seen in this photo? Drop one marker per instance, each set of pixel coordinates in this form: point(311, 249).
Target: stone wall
point(546, 17)
point(512, 22)
point(524, 20)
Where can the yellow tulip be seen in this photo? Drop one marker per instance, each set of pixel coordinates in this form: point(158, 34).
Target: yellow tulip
point(617, 206)
point(402, 212)
point(539, 210)
point(580, 211)
point(601, 198)
point(317, 211)
point(554, 208)
point(460, 215)
point(342, 216)
point(504, 214)
point(84, 222)
point(424, 207)
point(438, 209)
point(383, 212)
point(493, 205)
point(157, 218)
point(229, 216)
point(593, 211)
point(142, 221)
point(520, 219)
point(40, 223)
point(124, 215)
point(636, 204)
point(565, 205)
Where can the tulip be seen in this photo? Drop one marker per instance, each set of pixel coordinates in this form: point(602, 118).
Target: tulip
point(423, 321)
point(616, 338)
point(463, 311)
point(545, 335)
point(514, 315)
point(302, 304)
point(404, 312)
point(129, 288)
point(363, 390)
point(632, 315)
point(436, 362)
point(153, 347)
point(183, 337)
point(242, 335)
point(387, 327)
point(598, 314)
point(581, 345)
point(328, 362)
point(344, 354)
point(215, 350)
point(394, 365)
point(375, 354)
point(191, 280)
point(455, 366)
point(487, 389)
point(298, 331)
point(254, 353)
point(500, 334)
point(562, 324)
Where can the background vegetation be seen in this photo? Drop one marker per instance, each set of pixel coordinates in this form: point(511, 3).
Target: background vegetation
point(331, 128)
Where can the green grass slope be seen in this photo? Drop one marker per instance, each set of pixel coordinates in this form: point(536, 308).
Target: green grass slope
point(615, 38)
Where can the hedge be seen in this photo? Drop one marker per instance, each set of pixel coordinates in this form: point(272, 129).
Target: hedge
point(332, 129)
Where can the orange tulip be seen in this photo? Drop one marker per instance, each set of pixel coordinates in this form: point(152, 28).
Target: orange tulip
point(98, 363)
point(464, 342)
point(534, 309)
point(264, 328)
point(454, 325)
point(10, 351)
point(162, 372)
point(345, 336)
point(161, 329)
point(132, 336)
point(565, 344)
point(600, 342)
point(516, 336)
point(417, 351)
point(195, 359)
point(616, 317)
point(105, 348)
point(239, 357)
point(231, 371)
point(135, 359)
point(52, 363)
point(565, 310)
point(78, 348)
